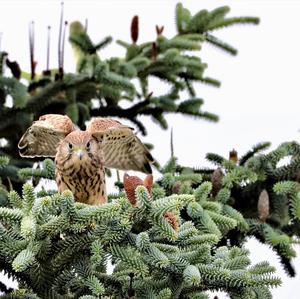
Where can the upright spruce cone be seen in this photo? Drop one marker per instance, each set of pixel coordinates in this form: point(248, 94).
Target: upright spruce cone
point(130, 184)
point(176, 187)
point(134, 29)
point(14, 68)
point(154, 51)
point(172, 219)
point(263, 205)
point(159, 29)
point(216, 180)
point(233, 156)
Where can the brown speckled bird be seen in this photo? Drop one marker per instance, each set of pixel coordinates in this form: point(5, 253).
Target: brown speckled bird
point(81, 156)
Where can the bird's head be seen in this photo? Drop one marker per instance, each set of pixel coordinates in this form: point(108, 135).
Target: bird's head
point(80, 146)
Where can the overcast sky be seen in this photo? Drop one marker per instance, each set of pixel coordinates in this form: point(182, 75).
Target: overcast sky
point(260, 92)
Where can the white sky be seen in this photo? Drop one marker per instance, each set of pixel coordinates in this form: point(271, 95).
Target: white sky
point(260, 92)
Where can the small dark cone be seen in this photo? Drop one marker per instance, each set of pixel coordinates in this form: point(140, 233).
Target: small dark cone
point(216, 180)
point(176, 187)
point(263, 205)
point(14, 68)
point(159, 30)
point(233, 156)
point(135, 29)
point(59, 75)
point(154, 52)
point(46, 73)
point(172, 219)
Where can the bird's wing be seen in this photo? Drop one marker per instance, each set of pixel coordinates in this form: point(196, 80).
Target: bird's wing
point(43, 136)
point(121, 147)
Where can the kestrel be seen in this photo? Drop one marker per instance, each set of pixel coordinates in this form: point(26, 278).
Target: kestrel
point(81, 156)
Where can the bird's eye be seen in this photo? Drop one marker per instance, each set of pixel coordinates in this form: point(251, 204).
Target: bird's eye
point(88, 145)
point(70, 146)
point(31, 131)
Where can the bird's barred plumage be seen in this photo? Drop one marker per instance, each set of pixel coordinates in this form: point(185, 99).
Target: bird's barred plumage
point(81, 156)
point(43, 136)
point(85, 176)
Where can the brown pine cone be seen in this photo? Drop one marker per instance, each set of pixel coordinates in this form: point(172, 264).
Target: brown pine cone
point(130, 184)
point(172, 219)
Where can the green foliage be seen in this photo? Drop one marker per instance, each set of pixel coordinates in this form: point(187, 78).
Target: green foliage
point(95, 286)
point(204, 22)
point(237, 193)
point(291, 190)
point(3, 161)
point(58, 248)
point(23, 260)
point(185, 239)
point(14, 88)
point(46, 170)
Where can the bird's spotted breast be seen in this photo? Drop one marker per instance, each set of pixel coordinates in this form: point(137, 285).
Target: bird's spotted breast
point(87, 182)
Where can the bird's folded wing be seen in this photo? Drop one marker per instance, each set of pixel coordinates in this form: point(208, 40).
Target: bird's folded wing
point(122, 149)
point(43, 136)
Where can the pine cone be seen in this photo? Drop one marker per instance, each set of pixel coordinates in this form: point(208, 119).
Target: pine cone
point(216, 180)
point(130, 184)
point(176, 187)
point(172, 219)
point(14, 68)
point(233, 156)
point(148, 183)
point(263, 205)
point(134, 29)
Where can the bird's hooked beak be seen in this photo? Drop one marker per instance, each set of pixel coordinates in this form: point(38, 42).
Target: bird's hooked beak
point(80, 153)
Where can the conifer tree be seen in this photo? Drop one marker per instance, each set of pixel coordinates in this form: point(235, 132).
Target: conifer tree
point(263, 192)
point(99, 85)
point(165, 245)
point(177, 237)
